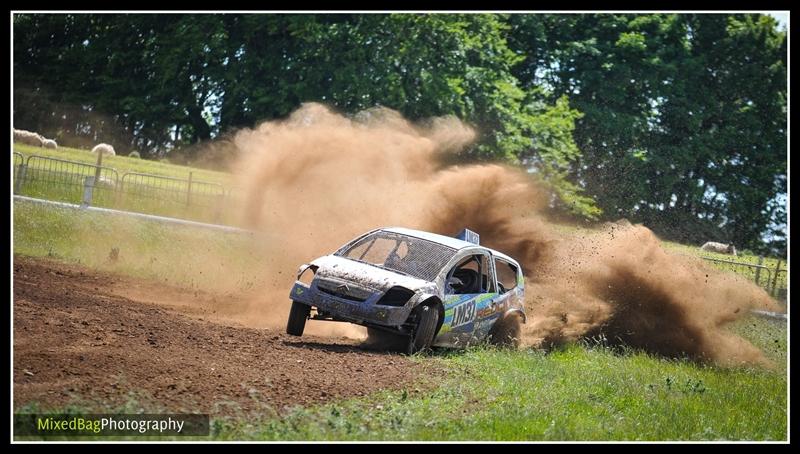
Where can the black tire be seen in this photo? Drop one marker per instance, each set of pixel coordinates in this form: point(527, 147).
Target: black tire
point(507, 332)
point(428, 319)
point(298, 315)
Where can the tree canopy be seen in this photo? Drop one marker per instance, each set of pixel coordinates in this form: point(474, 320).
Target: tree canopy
point(674, 120)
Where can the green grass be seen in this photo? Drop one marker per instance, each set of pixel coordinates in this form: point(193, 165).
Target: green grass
point(575, 393)
point(64, 182)
point(578, 392)
point(175, 253)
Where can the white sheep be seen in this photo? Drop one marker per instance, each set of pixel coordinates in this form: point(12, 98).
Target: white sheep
point(104, 148)
point(28, 138)
point(50, 143)
point(719, 248)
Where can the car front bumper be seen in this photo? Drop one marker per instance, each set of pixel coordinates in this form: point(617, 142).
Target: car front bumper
point(360, 312)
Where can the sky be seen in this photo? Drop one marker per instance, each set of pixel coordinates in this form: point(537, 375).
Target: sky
point(782, 17)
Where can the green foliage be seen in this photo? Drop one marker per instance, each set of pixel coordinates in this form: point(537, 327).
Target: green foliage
point(553, 153)
point(200, 75)
point(684, 117)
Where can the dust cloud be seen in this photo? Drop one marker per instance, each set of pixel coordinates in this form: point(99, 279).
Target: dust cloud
point(317, 179)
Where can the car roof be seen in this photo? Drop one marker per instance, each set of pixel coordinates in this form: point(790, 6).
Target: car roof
point(448, 241)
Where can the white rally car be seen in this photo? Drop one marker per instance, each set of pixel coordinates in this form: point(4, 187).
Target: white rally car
point(423, 288)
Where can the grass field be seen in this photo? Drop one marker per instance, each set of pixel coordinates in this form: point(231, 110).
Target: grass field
point(209, 209)
point(575, 393)
point(126, 164)
point(209, 199)
point(578, 392)
point(148, 249)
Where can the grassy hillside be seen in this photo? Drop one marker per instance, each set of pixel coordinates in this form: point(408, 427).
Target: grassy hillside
point(57, 181)
point(125, 164)
point(575, 393)
point(176, 253)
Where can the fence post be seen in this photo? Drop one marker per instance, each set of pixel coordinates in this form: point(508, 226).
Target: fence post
point(189, 191)
point(23, 169)
point(775, 279)
point(88, 189)
point(758, 271)
point(99, 163)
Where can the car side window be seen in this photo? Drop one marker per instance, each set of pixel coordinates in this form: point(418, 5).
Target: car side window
point(506, 275)
point(470, 276)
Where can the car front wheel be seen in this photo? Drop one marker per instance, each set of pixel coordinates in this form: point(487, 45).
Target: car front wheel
point(298, 315)
point(428, 319)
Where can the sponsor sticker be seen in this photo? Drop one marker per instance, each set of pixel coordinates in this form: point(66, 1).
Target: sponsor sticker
point(464, 313)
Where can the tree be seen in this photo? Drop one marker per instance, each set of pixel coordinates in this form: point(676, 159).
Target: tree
point(170, 80)
point(137, 75)
point(684, 119)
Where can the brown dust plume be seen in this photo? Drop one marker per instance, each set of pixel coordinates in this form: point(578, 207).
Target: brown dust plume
point(318, 179)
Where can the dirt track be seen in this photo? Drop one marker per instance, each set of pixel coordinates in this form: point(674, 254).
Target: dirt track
point(77, 340)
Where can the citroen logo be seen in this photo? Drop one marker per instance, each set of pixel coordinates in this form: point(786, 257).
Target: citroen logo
point(342, 288)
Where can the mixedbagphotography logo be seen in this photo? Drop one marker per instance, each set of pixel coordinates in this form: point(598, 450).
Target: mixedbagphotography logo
point(111, 425)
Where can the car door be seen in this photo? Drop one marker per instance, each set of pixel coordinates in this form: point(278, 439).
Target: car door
point(509, 286)
point(470, 291)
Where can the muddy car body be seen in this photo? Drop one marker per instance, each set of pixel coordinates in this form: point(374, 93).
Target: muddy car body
point(422, 288)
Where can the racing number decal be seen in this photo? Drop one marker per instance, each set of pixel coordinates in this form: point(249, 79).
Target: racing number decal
point(463, 313)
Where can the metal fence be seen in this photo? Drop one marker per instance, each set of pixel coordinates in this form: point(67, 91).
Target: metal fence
point(771, 279)
point(780, 284)
point(19, 160)
point(176, 190)
point(63, 180)
point(185, 198)
point(97, 185)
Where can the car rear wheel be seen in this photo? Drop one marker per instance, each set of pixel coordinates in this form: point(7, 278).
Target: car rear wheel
point(428, 319)
point(298, 315)
point(507, 332)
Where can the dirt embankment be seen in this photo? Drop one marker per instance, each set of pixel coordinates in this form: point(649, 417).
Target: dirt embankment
point(78, 341)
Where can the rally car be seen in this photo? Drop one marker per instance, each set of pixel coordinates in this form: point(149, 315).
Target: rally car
point(423, 288)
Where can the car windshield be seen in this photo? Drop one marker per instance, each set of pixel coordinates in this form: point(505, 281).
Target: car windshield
point(405, 254)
